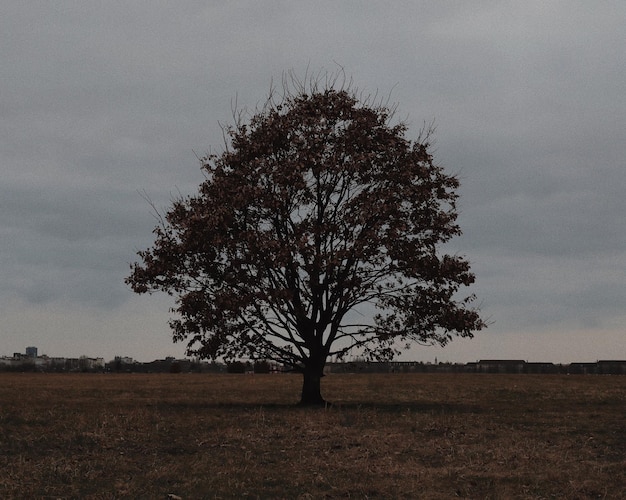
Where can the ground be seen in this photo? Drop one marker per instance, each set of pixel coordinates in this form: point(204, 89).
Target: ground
point(106, 436)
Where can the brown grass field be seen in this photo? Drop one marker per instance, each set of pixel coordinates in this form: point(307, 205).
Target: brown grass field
point(241, 436)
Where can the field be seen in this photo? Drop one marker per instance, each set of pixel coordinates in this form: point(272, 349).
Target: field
point(241, 436)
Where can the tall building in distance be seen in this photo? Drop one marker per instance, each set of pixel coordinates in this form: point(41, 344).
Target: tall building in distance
point(31, 352)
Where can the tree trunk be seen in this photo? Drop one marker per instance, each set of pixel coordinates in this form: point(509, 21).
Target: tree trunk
point(311, 390)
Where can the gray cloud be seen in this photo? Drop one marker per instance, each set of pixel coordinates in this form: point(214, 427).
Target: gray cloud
point(101, 102)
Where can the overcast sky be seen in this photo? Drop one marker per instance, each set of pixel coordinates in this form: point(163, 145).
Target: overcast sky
point(102, 101)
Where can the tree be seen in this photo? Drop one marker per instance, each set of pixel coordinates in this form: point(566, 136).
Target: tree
point(316, 232)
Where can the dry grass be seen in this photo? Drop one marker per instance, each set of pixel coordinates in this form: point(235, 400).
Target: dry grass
point(237, 436)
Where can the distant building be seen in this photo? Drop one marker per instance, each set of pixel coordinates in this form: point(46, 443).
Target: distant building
point(582, 368)
point(541, 368)
point(90, 364)
point(6, 362)
point(612, 367)
point(31, 352)
point(500, 366)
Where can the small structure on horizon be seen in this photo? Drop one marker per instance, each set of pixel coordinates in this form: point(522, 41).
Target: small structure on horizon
point(500, 366)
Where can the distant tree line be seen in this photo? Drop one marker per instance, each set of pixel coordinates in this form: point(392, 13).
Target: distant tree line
point(482, 366)
point(172, 365)
point(167, 365)
point(24, 363)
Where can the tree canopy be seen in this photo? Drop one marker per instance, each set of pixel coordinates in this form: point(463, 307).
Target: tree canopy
point(316, 233)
